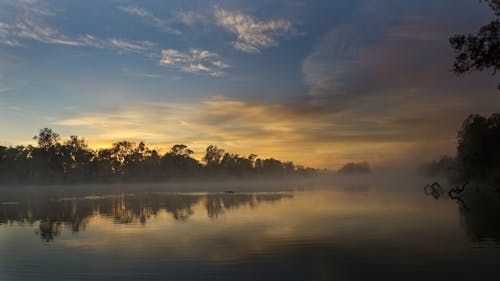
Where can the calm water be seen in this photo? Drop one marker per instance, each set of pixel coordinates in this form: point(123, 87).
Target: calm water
point(327, 234)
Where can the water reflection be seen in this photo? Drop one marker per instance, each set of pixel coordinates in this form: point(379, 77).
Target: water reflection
point(331, 234)
point(478, 206)
point(74, 213)
point(216, 204)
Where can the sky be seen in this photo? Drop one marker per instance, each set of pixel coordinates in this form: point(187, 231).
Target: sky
point(320, 83)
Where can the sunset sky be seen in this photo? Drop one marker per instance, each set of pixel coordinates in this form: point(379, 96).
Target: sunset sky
point(319, 83)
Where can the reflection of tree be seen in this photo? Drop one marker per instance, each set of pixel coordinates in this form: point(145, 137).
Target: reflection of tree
point(180, 206)
point(479, 208)
point(481, 215)
point(48, 230)
point(217, 204)
point(271, 197)
point(54, 215)
point(122, 214)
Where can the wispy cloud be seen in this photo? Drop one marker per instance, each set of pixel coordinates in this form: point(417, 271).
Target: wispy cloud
point(190, 18)
point(326, 138)
point(28, 29)
point(3, 87)
point(29, 24)
point(31, 7)
point(6, 35)
point(38, 31)
point(33, 27)
point(139, 73)
point(150, 18)
point(252, 35)
point(122, 46)
point(194, 61)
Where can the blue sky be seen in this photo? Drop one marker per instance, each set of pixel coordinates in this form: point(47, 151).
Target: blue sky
point(317, 82)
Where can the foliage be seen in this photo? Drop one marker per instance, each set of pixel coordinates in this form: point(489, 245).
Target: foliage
point(478, 150)
point(72, 161)
point(481, 51)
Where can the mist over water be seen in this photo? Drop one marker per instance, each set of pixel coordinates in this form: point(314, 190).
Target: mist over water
point(352, 229)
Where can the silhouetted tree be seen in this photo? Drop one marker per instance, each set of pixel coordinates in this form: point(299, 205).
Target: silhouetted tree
point(181, 150)
point(213, 156)
point(178, 162)
point(478, 150)
point(480, 51)
point(47, 138)
point(73, 161)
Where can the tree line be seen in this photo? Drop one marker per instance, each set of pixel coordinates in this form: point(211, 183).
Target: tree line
point(477, 155)
point(73, 161)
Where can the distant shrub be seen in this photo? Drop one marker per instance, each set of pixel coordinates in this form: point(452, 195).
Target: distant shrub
point(445, 166)
point(355, 168)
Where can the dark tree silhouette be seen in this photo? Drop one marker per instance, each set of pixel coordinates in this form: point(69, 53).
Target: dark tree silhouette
point(72, 161)
point(213, 156)
point(46, 138)
point(478, 150)
point(481, 51)
point(477, 156)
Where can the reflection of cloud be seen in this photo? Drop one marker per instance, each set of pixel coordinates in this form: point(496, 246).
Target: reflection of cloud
point(252, 35)
point(194, 61)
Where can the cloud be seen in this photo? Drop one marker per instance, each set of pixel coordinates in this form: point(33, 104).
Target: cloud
point(305, 133)
point(6, 35)
point(38, 31)
point(32, 29)
point(138, 73)
point(252, 35)
point(150, 19)
point(13, 35)
point(30, 24)
point(194, 61)
point(189, 18)
point(5, 89)
point(31, 7)
point(122, 46)
point(388, 80)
